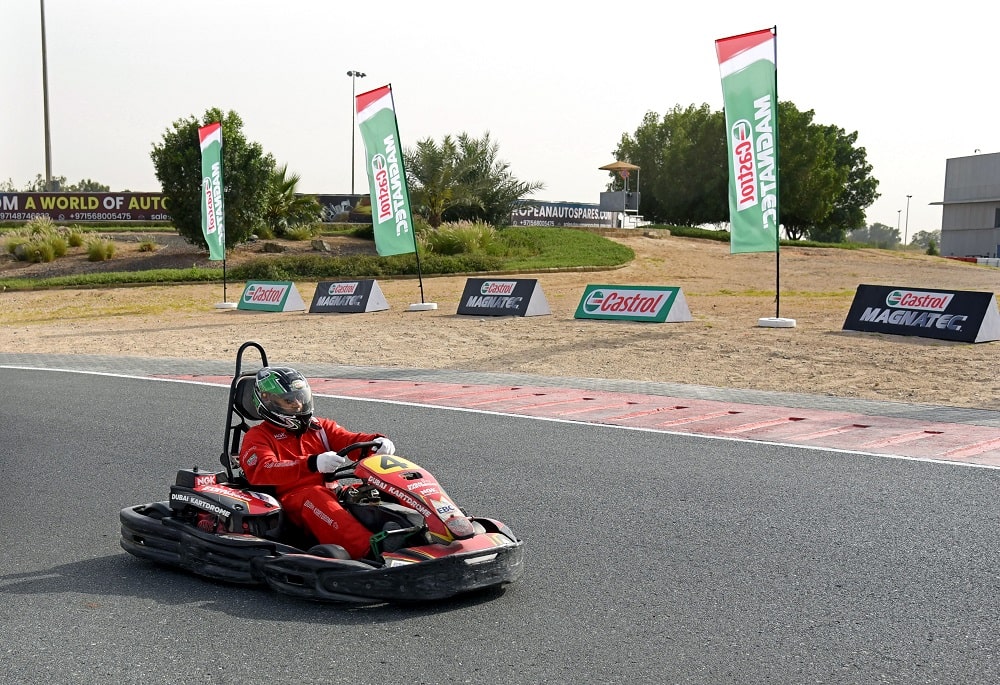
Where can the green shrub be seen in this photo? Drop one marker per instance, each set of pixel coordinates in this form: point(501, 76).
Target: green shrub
point(100, 250)
point(461, 237)
point(75, 239)
point(148, 246)
point(302, 232)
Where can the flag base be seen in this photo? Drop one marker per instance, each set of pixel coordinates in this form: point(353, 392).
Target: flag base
point(423, 306)
point(775, 322)
point(225, 305)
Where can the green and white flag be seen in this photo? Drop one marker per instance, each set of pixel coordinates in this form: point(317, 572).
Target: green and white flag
point(749, 87)
point(391, 218)
point(213, 215)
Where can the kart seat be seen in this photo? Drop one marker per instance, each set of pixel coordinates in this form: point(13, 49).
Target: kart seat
point(243, 403)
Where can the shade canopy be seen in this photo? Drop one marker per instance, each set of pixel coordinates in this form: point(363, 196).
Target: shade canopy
point(619, 166)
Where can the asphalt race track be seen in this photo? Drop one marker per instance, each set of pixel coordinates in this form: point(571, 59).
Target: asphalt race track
point(652, 554)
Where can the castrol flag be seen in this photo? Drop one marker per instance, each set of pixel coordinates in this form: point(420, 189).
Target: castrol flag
point(749, 87)
point(391, 218)
point(213, 216)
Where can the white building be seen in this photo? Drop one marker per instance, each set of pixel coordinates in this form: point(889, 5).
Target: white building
point(970, 217)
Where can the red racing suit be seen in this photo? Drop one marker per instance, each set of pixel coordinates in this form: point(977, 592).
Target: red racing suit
point(274, 456)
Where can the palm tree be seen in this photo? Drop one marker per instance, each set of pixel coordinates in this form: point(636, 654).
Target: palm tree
point(287, 208)
point(463, 179)
point(433, 175)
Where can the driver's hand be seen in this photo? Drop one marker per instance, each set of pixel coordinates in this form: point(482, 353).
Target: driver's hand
point(328, 462)
point(385, 446)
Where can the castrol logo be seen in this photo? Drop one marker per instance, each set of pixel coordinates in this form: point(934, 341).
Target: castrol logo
point(265, 294)
point(744, 164)
point(623, 302)
point(342, 288)
point(497, 287)
point(916, 299)
point(383, 199)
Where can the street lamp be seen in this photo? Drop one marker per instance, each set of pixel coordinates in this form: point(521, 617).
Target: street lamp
point(45, 104)
point(906, 230)
point(899, 213)
point(354, 74)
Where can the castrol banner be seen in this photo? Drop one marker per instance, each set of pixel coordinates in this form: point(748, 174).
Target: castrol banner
point(747, 64)
point(503, 297)
point(959, 315)
point(347, 297)
point(271, 296)
point(213, 214)
point(391, 218)
point(658, 304)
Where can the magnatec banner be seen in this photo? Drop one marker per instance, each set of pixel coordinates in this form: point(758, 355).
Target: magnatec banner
point(959, 315)
point(749, 87)
point(391, 219)
point(213, 216)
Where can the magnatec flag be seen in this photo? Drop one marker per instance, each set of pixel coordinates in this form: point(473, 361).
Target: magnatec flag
point(213, 216)
point(391, 218)
point(749, 88)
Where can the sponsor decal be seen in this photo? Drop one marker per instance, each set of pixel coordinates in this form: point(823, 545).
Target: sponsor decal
point(342, 288)
point(321, 515)
point(200, 503)
point(744, 164)
point(915, 319)
point(339, 301)
point(443, 506)
point(264, 294)
point(419, 484)
point(916, 299)
point(497, 287)
point(489, 302)
point(226, 492)
point(204, 480)
point(623, 302)
point(404, 497)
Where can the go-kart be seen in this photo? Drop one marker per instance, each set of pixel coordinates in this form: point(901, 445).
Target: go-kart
point(423, 546)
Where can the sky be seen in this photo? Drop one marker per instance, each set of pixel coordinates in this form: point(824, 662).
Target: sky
point(555, 84)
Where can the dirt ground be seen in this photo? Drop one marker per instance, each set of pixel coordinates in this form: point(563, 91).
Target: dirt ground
point(723, 346)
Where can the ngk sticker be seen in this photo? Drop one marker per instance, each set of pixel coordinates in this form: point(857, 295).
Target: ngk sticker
point(916, 299)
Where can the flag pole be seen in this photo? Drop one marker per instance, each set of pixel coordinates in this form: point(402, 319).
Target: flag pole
point(413, 232)
point(777, 165)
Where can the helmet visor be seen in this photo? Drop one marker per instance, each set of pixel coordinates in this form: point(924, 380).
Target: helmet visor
point(294, 401)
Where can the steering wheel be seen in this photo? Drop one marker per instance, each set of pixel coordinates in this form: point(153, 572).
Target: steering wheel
point(347, 469)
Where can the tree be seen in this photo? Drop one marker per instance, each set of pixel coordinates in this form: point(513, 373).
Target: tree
point(825, 180)
point(489, 181)
point(463, 178)
point(876, 235)
point(59, 182)
point(682, 160)
point(432, 177)
point(923, 239)
point(859, 192)
point(246, 175)
point(286, 207)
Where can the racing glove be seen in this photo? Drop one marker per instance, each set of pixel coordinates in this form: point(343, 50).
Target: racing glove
point(385, 446)
point(328, 462)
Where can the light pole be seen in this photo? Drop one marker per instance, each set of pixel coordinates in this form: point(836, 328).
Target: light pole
point(45, 104)
point(354, 74)
point(906, 229)
point(899, 213)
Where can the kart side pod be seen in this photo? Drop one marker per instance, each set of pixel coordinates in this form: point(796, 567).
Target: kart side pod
point(204, 498)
